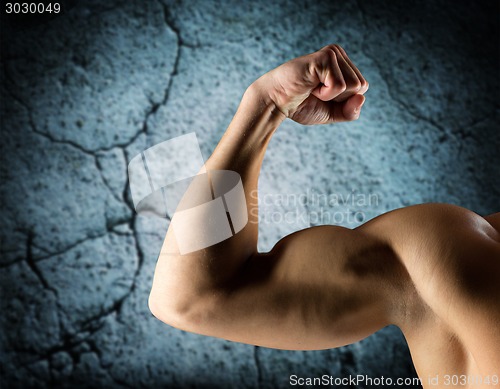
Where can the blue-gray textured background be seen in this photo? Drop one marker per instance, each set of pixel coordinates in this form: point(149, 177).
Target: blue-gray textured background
point(85, 92)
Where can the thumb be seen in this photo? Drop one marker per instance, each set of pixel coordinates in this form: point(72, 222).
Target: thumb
point(352, 107)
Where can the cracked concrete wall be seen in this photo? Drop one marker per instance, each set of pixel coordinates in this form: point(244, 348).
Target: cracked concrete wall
point(85, 92)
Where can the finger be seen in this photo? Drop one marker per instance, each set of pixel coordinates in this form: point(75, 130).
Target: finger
point(353, 84)
point(330, 76)
point(348, 110)
point(364, 83)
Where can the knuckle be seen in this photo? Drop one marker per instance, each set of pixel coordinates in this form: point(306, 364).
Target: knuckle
point(356, 86)
point(333, 47)
point(325, 49)
point(317, 60)
point(321, 56)
point(340, 49)
point(341, 86)
point(364, 86)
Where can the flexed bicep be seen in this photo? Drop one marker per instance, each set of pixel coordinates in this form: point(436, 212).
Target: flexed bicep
point(317, 288)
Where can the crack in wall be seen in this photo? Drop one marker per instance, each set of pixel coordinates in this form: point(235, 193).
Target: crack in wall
point(347, 362)
point(68, 343)
point(104, 180)
point(92, 345)
point(258, 366)
point(156, 105)
point(32, 265)
point(53, 139)
point(71, 246)
point(169, 22)
point(68, 339)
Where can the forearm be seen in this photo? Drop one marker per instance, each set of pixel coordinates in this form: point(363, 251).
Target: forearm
point(244, 143)
point(241, 150)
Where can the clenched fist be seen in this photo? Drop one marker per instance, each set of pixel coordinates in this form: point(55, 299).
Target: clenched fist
point(318, 88)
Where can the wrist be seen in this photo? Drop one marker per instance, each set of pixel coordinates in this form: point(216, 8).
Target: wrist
point(278, 96)
point(259, 92)
point(248, 134)
point(257, 117)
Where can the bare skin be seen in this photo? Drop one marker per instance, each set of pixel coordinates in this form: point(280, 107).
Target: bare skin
point(431, 269)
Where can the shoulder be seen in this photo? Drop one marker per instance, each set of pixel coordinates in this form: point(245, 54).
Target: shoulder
point(452, 256)
point(445, 218)
point(435, 231)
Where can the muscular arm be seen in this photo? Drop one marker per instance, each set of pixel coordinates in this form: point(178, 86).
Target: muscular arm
point(318, 288)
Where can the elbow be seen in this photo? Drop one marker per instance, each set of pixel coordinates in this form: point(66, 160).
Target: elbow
point(193, 313)
point(155, 307)
point(170, 310)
